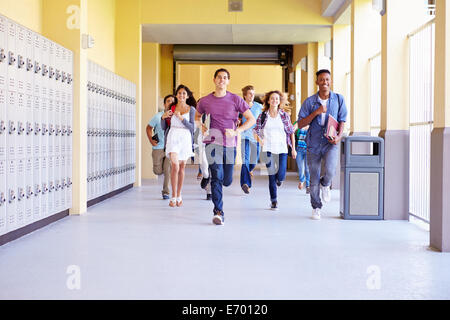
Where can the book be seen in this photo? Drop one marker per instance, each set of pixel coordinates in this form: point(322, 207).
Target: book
point(332, 128)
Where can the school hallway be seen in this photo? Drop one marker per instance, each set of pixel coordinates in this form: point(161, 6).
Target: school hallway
point(134, 246)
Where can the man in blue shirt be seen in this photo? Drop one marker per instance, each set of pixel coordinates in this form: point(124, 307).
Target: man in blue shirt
point(249, 146)
point(314, 112)
point(161, 164)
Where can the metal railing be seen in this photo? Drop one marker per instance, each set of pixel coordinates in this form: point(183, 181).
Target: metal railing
point(421, 100)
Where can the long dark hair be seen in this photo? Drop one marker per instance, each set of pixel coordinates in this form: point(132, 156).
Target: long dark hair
point(267, 97)
point(190, 101)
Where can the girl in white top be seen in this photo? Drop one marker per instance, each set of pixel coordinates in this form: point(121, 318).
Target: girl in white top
point(275, 131)
point(179, 139)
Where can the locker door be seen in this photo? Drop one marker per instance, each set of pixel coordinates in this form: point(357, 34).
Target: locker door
point(20, 192)
point(29, 190)
point(37, 188)
point(29, 61)
point(11, 125)
point(69, 181)
point(11, 57)
point(21, 58)
point(57, 179)
point(11, 203)
point(44, 67)
point(51, 69)
point(44, 128)
point(3, 52)
point(51, 127)
point(62, 174)
point(3, 124)
point(20, 116)
point(28, 115)
point(37, 70)
point(51, 185)
point(44, 187)
point(37, 135)
point(3, 194)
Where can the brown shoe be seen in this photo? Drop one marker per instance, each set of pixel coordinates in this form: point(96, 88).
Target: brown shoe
point(199, 176)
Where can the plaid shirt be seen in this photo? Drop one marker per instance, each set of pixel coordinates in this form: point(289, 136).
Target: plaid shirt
point(288, 127)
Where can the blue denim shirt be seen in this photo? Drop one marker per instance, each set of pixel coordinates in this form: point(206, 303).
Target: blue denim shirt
point(316, 141)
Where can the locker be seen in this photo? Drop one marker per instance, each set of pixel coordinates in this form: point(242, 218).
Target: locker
point(11, 126)
point(11, 203)
point(37, 70)
point(37, 136)
point(20, 116)
point(3, 52)
point(20, 185)
point(37, 188)
point(3, 193)
point(44, 67)
point(21, 58)
point(11, 57)
point(51, 127)
point(29, 190)
point(63, 127)
point(69, 181)
point(44, 187)
point(57, 179)
point(29, 63)
point(57, 135)
point(51, 70)
point(28, 115)
point(62, 174)
point(44, 128)
point(3, 123)
point(51, 185)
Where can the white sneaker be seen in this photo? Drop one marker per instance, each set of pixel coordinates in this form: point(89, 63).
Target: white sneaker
point(316, 214)
point(217, 219)
point(326, 193)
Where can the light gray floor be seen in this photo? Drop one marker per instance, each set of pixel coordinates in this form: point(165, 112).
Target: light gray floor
point(134, 246)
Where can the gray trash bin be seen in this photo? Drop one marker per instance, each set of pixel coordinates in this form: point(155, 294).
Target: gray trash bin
point(362, 178)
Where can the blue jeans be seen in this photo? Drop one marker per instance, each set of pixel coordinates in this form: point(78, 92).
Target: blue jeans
point(276, 166)
point(302, 166)
point(329, 156)
point(250, 157)
point(221, 164)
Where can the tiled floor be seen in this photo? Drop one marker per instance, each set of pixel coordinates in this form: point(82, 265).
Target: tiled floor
point(134, 246)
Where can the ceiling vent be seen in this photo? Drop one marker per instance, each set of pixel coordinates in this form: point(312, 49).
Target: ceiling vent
point(234, 5)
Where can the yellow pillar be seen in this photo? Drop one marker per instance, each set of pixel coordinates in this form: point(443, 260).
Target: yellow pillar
point(395, 102)
point(365, 43)
point(64, 21)
point(129, 62)
point(313, 53)
point(440, 137)
point(150, 101)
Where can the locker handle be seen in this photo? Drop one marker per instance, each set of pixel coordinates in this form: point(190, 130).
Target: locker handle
point(2, 55)
point(44, 70)
point(2, 198)
point(20, 194)
point(11, 58)
point(2, 126)
point(20, 128)
point(37, 68)
point(37, 190)
point(29, 192)
point(51, 73)
point(12, 196)
point(20, 62)
point(29, 128)
point(58, 75)
point(29, 65)
point(12, 128)
point(37, 129)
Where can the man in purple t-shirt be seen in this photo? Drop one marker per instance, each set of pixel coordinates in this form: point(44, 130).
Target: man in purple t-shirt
point(224, 108)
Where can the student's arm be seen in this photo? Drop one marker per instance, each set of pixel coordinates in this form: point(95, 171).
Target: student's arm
point(149, 131)
point(293, 150)
point(249, 121)
point(339, 135)
point(190, 124)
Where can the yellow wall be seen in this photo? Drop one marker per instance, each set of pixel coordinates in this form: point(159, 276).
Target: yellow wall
point(101, 26)
point(216, 12)
point(26, 12)
point(166, 70)
point(199, 78)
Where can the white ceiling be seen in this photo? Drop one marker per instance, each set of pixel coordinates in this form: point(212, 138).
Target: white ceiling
point(234, 33)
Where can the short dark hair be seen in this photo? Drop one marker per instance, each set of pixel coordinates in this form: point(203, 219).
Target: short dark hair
point(322, 71)
point(221, 70)
point(246, 89)
point(169, 96)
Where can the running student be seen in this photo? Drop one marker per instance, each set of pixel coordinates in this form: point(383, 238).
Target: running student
point(180, 119)
point(223, 107)
point(275, 129)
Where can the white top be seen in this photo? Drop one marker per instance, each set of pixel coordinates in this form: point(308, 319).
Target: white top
point(177, 123)
point(322, 119)
point(274, 135)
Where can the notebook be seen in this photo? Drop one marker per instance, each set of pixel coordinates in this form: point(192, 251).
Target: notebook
point(332, 128)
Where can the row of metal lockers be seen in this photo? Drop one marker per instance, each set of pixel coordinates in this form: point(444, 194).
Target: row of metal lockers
point(35, 126)
point(111, 131)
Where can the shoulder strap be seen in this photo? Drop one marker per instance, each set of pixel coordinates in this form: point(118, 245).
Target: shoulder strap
point(263, 117)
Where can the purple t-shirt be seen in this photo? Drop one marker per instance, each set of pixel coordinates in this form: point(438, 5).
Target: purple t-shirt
point(224, 113)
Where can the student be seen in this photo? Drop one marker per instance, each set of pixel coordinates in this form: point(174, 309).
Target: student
point(203, 166)
point(249, 145)
point(224, 108)
point(274, 127)
point(161, 163)
point(314, 112)
point(179, 141)
point(302, 165)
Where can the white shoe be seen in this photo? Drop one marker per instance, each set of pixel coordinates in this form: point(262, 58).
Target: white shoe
point(326, 193)
point(217, 219)
point(316, 214)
